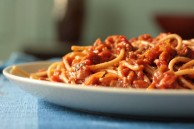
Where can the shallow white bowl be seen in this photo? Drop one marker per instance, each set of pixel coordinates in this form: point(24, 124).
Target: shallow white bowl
point(134, 102)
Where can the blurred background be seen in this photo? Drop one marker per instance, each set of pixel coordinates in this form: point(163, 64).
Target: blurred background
point(47, 28)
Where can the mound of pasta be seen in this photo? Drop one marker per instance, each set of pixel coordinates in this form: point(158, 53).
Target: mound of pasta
point(162, 62)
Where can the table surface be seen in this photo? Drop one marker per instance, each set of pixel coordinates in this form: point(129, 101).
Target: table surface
point(20, 110)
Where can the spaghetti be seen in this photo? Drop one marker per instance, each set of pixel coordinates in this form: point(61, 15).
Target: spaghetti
point(162, 62)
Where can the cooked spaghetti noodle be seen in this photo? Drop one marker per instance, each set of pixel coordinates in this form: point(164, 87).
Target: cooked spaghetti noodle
point(162, 62)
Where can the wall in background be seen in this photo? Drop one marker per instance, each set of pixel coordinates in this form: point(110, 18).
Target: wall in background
point(25, 21)
point(22, 22)
point(128, 17)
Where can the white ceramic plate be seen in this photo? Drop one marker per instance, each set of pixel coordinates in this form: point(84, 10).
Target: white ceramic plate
point(135, 102)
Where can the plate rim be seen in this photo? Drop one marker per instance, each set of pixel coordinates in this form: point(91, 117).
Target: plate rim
point(90, 88)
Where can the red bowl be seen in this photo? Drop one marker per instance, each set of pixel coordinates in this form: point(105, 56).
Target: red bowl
point(180, 24)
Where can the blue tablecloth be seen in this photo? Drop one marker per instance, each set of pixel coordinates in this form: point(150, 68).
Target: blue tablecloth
point(20, 110)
